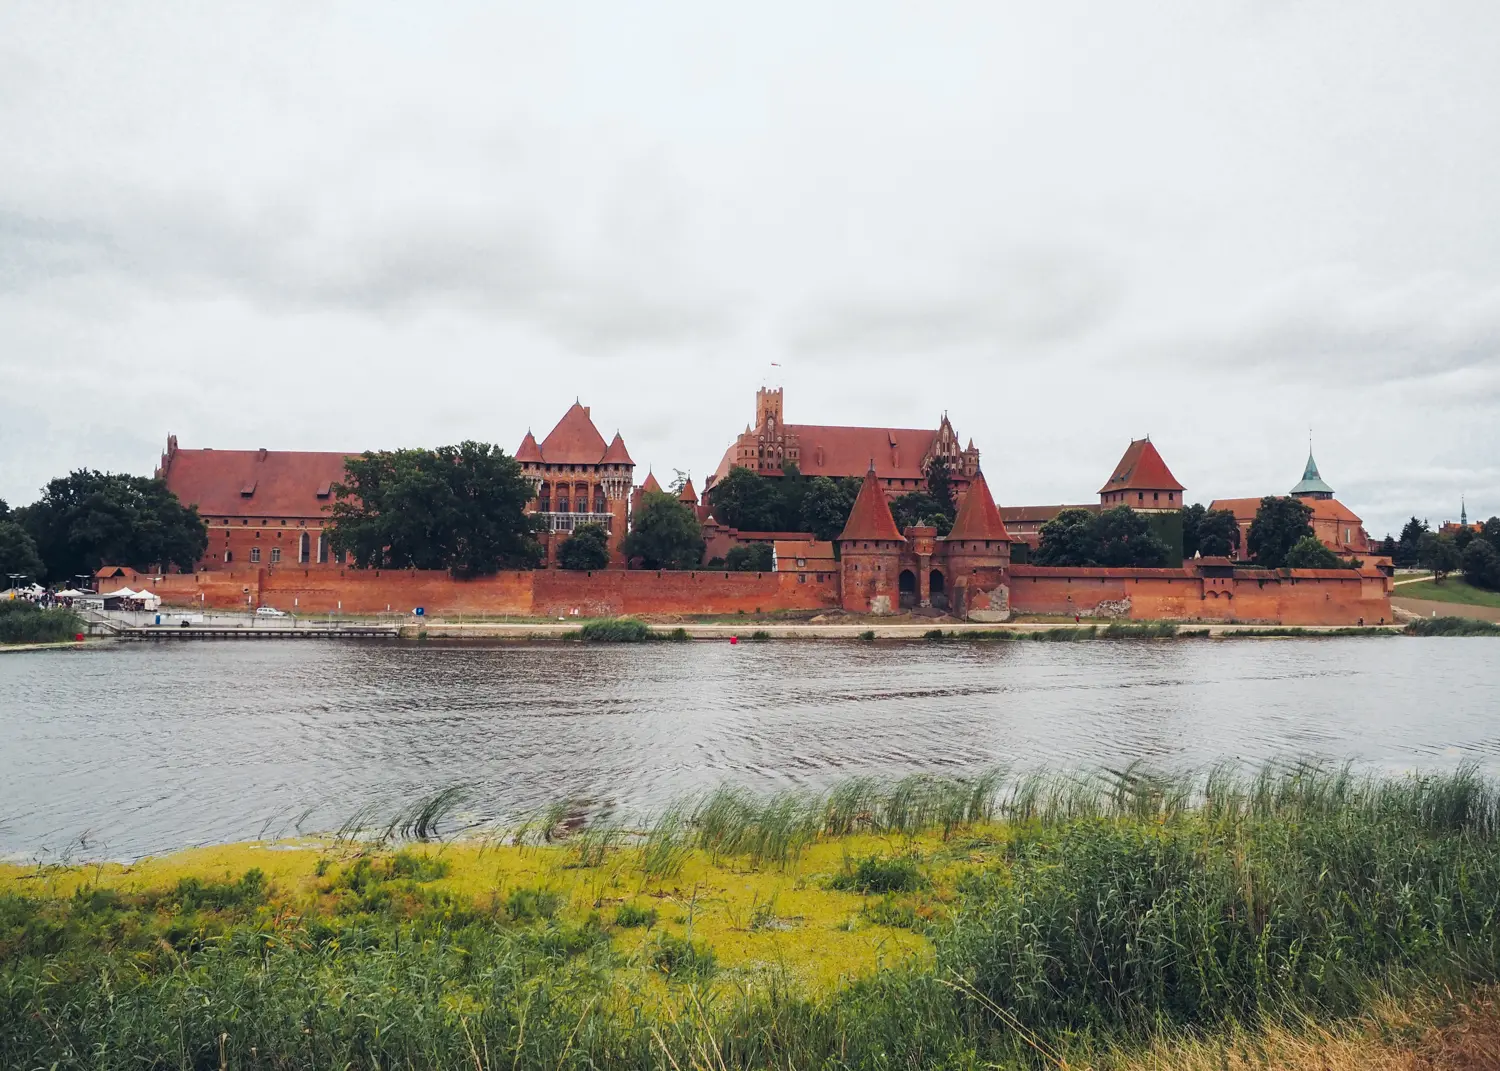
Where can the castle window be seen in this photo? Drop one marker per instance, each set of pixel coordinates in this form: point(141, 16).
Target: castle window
point(255, 554)
point(275, 554)
point(322, 550)
point(283, 522)
point(1155, 496)
point(228, 556)
point(1140, 496)
point(304, 546)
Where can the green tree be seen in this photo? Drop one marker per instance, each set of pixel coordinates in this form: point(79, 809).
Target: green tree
point(1481, 562)
point(1437, 552)
point(826, 506)
point(1408, 548)
point(1124, 539)
point(1491, 531)
point(586, 548)
point(1461, 538)
point(1388, 548)
point(940, 488)
point(920, 507)
point(18, 553)
point(750, 558)
point(87, 519)
point(664, 534)
point(1214, 533)
point(1069, 539)
point(461, 508)
point(1280, 523)
point(747, 501)
point(1310, 553)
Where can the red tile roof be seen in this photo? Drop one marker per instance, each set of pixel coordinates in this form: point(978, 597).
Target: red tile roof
point(282, 483)
point(836, 451)
point(977, 517)
point(870, 518)
point(1141, 469)
point(817, 554)
point(687, 494)
point(1096, 571)
point(616, 454)
point(650, 486)
point(1323, 509)
point(575, 440)
point(528, 450)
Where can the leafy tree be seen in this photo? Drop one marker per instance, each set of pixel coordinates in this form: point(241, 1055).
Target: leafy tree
point(826, 505)
point(586, 548)
point(1408, 547)
point(920, 507)
point(18, 553)
point(1310, 553)
point(747, 501)
point(1125, 540)
point(1461, 538)
point(87, 519)
point(664, 534)
point(4, 510)
point(1481, 562)
point(1069, 539)
point(1491, 531)
point(1280, 523)
point(940, 488)
point(461, 508)
point(1437, 552)
point(1214, 533)
point(750, 558)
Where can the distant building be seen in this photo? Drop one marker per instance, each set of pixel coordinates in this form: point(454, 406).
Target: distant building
point(262, 507)
point(578, 478)
point(1337, 526)
point(900, 456)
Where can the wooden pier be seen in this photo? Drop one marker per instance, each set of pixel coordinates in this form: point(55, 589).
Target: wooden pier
point(268, 632)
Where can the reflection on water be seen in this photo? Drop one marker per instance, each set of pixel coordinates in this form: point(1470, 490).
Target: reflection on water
point(145, 748)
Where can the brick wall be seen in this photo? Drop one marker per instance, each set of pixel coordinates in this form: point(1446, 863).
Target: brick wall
point(543, 592)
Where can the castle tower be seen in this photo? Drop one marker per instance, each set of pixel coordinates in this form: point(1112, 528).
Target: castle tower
point(1311, 485)
point(976, 554)
point(870, 552)
point(1143, 482)
point(578, 478)
point(768, 411)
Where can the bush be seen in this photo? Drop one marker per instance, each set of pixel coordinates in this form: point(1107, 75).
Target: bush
point(525, 904)
point(877, 874)
point(633, 916)
point(1310, 553)
point(586, 548)
point(1452, 626)
point(24, 622)
point(679, 958)
point(1481, 563)
point(750, 558)
point(616, 630)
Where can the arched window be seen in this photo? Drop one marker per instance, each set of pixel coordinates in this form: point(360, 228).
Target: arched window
point(544, 498)
point(600, 505)
point(304, 547)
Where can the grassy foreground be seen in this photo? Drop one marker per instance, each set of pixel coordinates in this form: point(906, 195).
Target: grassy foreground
point(1296, 917)
point(1454, 589)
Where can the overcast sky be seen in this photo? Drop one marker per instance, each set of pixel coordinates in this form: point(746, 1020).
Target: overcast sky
point(324, 226)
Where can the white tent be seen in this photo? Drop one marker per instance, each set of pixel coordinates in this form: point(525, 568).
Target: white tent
point(70, 593)
point(123, 593)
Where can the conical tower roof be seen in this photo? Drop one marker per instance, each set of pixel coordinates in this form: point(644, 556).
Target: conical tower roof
point(1141, 469)
point(650, 486)
point(687, 494)
point(529, 451)
point(616, 454)
point(575, 440)
point(871, 516)
point(977, 517)
point(1311, 483)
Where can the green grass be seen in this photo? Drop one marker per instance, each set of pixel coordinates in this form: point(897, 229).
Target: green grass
point(1452, 626)
point(1109, 913)
point(24, 622)
point(1453, 589)
point(616, 630)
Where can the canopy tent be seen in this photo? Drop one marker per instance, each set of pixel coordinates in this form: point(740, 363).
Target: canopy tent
point(71, 593)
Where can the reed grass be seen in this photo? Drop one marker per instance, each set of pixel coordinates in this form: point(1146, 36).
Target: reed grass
point(1121, 918)
point(24, 622)
point(1452, 626)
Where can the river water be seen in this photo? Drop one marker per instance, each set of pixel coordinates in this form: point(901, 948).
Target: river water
point(120, 750)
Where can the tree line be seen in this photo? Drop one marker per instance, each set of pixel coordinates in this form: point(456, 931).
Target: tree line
point(1474, 553)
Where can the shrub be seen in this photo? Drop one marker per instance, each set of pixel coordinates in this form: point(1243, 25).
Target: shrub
point(876, 874)
point(633, 916)
point(679, 958)
point(586, 548)
point(1452, 626)
point(616, 630)
point(24, 622)
point(528, 903)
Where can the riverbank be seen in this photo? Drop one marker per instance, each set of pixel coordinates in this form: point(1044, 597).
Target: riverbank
point(1301, 915)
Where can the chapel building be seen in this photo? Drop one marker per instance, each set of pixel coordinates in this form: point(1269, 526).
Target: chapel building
point(900, 456)
point(1337, 526)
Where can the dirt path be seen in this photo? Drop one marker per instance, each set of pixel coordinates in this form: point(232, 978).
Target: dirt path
point(1430, 608)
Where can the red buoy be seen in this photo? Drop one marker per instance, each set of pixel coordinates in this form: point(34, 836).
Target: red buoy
point(734, 639)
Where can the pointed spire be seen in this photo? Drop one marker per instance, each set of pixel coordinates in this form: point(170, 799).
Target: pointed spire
point(528, 450)
point(978, 518)
point(651, 486)
point(1311, 483)
point(616, 454)
point(871, 516)
point(687, 494)
point(1463, 511)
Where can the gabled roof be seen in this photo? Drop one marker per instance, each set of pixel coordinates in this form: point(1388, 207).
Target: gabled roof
point(528, 450)
point(616, 454)
point(256, 483)
point(687, 494)
point(1311, 483)
point(1141, 469)
point(650, 486)
point(977, 517)
point(1323, 509)
point(834, 451)
point(871, 516)
point(575, 440)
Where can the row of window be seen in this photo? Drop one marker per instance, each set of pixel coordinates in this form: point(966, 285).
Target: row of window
point(578, 468)
point(544, 504)
point(1140, 496)
point(304, 552)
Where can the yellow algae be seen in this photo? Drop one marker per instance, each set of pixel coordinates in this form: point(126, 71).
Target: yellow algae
point(768, 920)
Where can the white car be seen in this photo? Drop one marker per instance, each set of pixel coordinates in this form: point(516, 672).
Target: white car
point(269, 611)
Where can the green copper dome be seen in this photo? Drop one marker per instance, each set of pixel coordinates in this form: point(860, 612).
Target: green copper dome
point(1312, 484)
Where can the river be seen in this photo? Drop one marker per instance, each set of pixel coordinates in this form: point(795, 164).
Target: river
point(113, 751)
